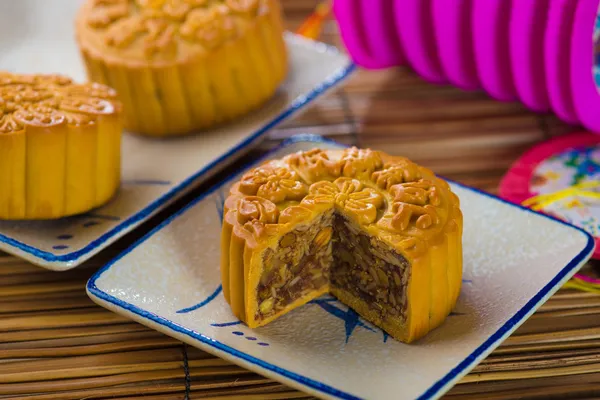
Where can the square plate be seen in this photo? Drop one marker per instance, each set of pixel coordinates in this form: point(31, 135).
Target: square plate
point(45, 46)
point(514, 259)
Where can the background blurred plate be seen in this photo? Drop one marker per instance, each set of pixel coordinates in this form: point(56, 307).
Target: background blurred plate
point(514, 260)
point(36, 36)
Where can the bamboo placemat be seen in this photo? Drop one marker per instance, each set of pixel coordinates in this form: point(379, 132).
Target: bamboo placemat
point(56, 344)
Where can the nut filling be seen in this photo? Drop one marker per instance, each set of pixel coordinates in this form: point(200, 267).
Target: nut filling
point(297, 267)
point(366, 268)
point(333, 249)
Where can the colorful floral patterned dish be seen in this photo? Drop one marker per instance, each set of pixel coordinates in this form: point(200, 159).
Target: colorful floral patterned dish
point(560, 164)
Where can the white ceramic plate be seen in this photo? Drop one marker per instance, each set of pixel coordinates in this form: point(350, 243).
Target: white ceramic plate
point(36, 36)
point(514, 259)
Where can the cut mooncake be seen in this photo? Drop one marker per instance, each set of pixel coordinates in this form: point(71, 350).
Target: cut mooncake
point(380, 233)
point(184, 65)
point(60, 146)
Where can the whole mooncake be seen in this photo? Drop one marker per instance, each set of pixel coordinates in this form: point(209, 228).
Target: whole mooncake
point(184, 65)
point(60, 146)
point(380, 233)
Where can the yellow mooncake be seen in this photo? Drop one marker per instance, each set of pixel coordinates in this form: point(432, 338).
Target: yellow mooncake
point(380, 233)
point(184, 65)
point(60, 146)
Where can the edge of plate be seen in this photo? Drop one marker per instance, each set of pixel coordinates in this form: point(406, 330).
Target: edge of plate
point(73, 259)
point(302, 382)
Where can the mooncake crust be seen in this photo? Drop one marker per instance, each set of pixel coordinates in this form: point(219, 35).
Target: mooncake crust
point(60, 146)
point(163, 32)
point(184, 65)
point(391, 198)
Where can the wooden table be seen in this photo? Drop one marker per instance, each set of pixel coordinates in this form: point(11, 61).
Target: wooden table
point(56, 344)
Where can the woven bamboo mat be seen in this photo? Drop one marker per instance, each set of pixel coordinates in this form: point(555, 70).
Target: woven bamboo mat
point(56, 344)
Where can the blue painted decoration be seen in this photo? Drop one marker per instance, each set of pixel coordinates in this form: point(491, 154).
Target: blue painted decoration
point(351, 319)
point(226, 324)
point(202, 303)
point(251, 338)
point(385, 336)
point(220, 204)
point(583, 162)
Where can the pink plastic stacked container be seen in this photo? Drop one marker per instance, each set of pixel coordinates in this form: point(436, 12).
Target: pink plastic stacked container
point(539, 52)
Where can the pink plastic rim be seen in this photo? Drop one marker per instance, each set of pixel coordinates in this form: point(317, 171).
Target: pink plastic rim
point(515, 187)
point(364, 35)
point(585, 96)
point(380, 29)
point(350, 23)
point(415, 29)
point(453, 35)
point(557, 53)
point(526, 34)
point(490, 38)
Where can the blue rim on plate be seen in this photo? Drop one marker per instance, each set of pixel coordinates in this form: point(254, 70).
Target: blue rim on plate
point(461, 369)
point(298, 104)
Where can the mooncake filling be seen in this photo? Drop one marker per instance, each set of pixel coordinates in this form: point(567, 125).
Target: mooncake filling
point(333, 251)
point(297, 268)
point(368, 271)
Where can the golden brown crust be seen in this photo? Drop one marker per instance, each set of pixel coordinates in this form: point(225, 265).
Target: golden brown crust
point(60, 146)
point(163, 32)
point(182, 66)
point(381, 192)
point(50, 100)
